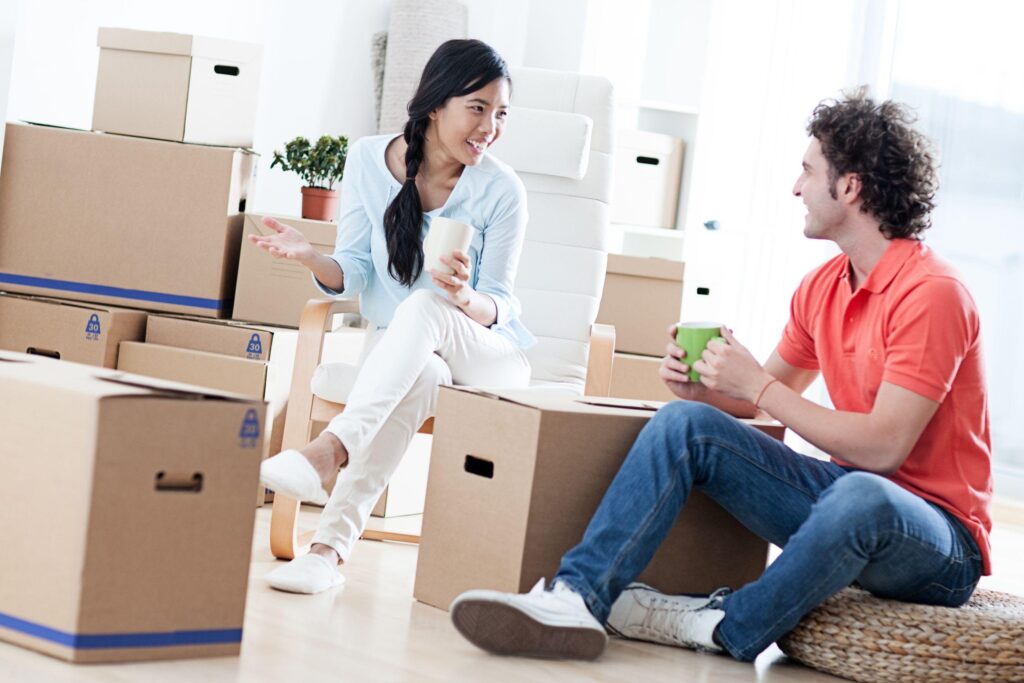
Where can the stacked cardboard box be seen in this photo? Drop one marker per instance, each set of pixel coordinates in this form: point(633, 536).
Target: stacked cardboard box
point(69, 330)
point(154, 478)
point(642, 297)
point(143, 220)
point(146, 555)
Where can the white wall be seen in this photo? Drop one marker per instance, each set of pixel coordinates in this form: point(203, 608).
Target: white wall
point(8, 20)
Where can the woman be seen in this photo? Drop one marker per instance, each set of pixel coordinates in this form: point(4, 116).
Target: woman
point(433, 328)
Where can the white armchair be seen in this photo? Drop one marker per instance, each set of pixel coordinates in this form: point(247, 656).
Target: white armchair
point(559, 140)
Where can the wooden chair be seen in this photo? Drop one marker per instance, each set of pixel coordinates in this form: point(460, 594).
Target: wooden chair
point(561, 147)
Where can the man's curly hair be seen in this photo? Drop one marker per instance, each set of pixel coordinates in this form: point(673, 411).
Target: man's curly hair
point(895, 163)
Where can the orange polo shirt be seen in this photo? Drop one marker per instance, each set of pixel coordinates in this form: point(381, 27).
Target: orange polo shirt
point(911, 323)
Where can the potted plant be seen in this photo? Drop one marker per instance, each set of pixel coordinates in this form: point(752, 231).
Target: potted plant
point(320, 166)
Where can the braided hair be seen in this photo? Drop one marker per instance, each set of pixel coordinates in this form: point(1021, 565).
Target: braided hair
point(457, 68)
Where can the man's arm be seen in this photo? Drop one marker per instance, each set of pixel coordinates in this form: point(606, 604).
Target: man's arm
point(674, 371)
point(878, 441)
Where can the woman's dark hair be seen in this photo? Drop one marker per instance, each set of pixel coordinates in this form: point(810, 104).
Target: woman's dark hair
point(457, 68)
point(895, 163)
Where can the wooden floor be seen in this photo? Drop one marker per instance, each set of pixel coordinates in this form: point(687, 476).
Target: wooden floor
point(372, 630)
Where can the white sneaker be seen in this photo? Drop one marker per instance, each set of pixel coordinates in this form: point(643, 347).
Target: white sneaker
point(540, 623)
point(307, 574)
point(643, 613)
point(290, 473)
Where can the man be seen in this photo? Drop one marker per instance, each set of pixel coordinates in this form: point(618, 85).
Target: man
point(901, 509)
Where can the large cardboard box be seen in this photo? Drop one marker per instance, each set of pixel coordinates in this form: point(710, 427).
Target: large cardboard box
point(133, 526)
point(637, 377)
point(272, 290)
point(68, 330)
point(642, 297)
point(121, 220)
point(515, 478)
point(177, 87)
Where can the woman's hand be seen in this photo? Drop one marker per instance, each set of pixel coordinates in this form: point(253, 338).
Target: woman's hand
point(285, 242)
point(455, 285)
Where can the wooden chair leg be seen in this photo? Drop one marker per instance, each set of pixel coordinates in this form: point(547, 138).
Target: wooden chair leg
point(283, 527)
point(377, 535)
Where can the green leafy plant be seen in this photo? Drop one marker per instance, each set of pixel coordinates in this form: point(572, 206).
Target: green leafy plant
point(321, 165)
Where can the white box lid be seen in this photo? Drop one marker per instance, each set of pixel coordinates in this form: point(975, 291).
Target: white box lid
point(177, 44)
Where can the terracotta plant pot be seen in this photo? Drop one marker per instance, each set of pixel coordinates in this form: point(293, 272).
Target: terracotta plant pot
point(319, 205)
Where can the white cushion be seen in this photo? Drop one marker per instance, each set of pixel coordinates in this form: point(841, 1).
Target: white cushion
point(551, 143)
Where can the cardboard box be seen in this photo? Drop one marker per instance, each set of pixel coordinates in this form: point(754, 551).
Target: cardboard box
point(133, 528)
point(642, 297)
point(68, 330)
point(177, 87)
point(211, 370)
point(272, 290)
point(637, 377)
point(120, 220)
point(515, 477)
point(648, 174)
point(225, 337)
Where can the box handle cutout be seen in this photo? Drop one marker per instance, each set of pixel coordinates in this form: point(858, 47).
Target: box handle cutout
point(182, 482)
point(479, 467)
point(43, 352)
point(650, 161)
point(225, 70)
point(703, 291)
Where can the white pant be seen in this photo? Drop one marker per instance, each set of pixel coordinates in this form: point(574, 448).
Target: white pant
point(428, 343)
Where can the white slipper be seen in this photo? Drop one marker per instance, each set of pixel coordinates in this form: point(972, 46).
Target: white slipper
point(291, 474)
point(306, 574)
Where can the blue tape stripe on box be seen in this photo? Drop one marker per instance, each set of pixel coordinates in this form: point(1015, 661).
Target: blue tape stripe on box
point(138, 294)
point(96, 641)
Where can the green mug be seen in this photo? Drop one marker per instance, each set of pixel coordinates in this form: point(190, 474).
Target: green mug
point(693, 338)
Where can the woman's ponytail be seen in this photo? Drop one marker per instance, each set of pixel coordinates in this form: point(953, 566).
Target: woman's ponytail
point(403, 219)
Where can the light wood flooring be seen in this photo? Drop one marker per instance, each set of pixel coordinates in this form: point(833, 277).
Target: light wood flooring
point(372, 630)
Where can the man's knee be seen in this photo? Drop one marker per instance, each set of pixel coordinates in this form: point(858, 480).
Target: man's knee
point(677, 427)
point(688, 420)
point(861, 500)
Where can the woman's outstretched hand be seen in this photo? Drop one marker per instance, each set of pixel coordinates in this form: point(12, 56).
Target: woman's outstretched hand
point(284, 242)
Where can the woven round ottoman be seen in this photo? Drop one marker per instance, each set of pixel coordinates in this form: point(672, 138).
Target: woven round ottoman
point(857, 636)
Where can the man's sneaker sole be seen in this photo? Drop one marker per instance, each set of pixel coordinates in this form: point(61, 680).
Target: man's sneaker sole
point(502, 629)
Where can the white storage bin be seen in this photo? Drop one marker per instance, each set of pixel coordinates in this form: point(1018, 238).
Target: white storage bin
point(648, 170)
point(177, 87)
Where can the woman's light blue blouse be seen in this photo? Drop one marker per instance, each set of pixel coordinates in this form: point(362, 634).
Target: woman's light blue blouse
point(488, 196)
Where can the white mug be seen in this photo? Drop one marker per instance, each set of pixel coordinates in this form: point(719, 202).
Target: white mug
point(443, 237)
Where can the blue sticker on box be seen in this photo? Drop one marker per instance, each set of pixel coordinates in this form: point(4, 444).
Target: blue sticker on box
point(250, 431)
point(255, 347)
point(92, 328)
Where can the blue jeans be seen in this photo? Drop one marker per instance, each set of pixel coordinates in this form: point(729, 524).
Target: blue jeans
point(837, 526)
